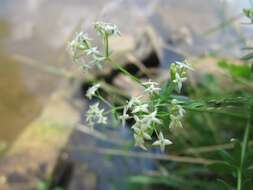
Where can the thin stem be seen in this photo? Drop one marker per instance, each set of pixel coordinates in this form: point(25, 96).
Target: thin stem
point(211, 148)
point(156, 133)
point(243, 152)
point(124, 71)
point(239, 179)
point(103, 100)
point(245, 144)
point(106, 44)
point(217, 112)
point(174, 158)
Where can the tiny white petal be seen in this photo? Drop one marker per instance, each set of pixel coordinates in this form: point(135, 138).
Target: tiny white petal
point(151, 87)
point(167, 142)
point(162, 142)
point(92, 90)
point(184, 65)
point(134, 101)
point(141, 108)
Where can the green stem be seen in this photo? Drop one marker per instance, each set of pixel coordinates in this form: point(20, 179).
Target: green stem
point(106, 44)
point(107, 55)
point(104, 100)
point(124, 71)
point(216, 111)
point(239, 179)
point(244, 152)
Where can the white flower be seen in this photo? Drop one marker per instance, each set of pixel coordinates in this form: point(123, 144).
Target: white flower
point(151, 87)
point(179, 80)
point(148, 83)
point(139, 141)
point(104, 28)
point(144, 135)
point(174, 101)
point(141, 108)
point(184, 65)
point(97, 60)
point(80, 42)
point(140, 124)
point(134, 101)
point(151, 118)
point(142, 132)
point(162, 142)
point(92, 51)
point(81, 37)
point(95, 115)
point(92, 90)
point(181, 110)
point(175, 121)
point(124, 116)
point(177, 107)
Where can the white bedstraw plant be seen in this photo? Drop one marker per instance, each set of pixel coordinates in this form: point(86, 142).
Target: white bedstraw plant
point(154, 112)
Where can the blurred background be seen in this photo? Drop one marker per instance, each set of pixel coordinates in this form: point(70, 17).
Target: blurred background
point(34, 65)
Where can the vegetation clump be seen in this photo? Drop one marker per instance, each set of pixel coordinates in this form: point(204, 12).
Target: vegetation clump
point(158, 112)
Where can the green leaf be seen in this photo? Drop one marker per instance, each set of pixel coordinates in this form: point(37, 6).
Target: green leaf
point(172, 181)
point(223, 185)
point(156, 180)
point(42, 186)
point(248, 184)
point(222, 168)
point(249, 158)
point(249, 172)
point(236, 70)
point(247, 57)
point(237, 152)
point(226, 156)
point(247, 48)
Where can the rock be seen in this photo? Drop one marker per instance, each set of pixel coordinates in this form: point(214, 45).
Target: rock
point(39, 144)
point(130, 87)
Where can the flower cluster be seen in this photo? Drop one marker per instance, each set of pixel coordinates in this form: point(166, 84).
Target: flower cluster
point(92, 90)
point(249, 13)
point(106, 29)
point(81, 45)
point(95, 115)
point(151, 87)
point(145, 117)
point(154, 112)
point(146, 112)
point(178, 72)
point(176, 114)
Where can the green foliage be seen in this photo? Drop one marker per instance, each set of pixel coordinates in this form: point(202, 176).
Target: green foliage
point(243, 71)
point(223, 185)
point(172, 181)
point(248, 13)
point(215, 115)
point(45, 185)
